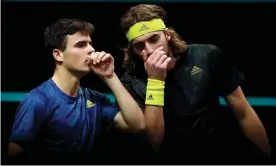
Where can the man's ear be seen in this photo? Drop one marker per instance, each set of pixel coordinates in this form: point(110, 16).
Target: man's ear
point(167, 34)
point(58, 55)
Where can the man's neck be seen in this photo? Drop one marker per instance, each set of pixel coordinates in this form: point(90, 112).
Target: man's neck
point(66, 81)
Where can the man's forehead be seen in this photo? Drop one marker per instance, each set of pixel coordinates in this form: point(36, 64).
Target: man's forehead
point(146, 36)
point(77, 37)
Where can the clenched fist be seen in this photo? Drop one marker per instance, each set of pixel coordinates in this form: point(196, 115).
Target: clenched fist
point(156, 64)
point(102, 64)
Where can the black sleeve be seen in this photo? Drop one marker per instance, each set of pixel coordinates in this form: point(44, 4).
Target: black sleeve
point(227, 76)
point(136, 88)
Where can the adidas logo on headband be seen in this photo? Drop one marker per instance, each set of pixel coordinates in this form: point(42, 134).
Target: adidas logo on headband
point(143, 28)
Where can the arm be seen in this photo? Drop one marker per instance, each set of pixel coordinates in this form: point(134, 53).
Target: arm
point(156, 68)
point(130, 116)
point(155, 125)
point(248, 120)
point(153, 114)
point(229, 80)
point(14, 149)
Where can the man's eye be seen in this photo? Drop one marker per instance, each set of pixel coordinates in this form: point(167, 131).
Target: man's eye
point(139, 46)
point(81, 44)
point(154, 39)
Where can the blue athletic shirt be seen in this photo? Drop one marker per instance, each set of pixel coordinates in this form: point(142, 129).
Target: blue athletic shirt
point(50, 121)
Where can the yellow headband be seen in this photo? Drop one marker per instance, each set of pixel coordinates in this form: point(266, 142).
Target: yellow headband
point(144, 27)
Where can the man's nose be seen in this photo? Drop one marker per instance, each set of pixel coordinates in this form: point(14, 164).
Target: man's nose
point(90, 49)
point(149, 49)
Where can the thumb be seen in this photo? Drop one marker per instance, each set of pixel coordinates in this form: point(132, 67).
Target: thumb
point(90, 60)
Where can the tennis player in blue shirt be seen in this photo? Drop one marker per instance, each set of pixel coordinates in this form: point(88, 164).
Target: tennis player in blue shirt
point(59, 119)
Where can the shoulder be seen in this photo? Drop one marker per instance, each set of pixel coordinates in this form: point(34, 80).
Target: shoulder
point(34, 102)
point(127, 77)
point(127, 80)
point(130, 78)
point(135, 85)
point(43, 91)
point(37, 95)
point(205, 52)
point(203, 49)
point(36, 99)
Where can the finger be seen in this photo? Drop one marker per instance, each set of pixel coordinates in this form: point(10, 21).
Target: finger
point(94, 56)
point(161, 60)
point(166, 62)
point(150, 57)
point(157, 57)
point(155, 52)
point(160, 48)
point(106, 57)
point(89, 60)
point(100, 56)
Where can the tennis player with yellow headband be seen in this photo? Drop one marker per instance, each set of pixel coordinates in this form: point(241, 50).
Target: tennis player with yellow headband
point(184, 116)
point(155, 88)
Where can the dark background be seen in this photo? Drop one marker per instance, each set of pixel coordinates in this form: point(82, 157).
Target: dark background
point(245, 32)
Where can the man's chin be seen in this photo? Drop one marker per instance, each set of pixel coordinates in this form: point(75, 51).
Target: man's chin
point(85, 72)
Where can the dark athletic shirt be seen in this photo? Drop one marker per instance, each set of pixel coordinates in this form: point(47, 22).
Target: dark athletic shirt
point(192, 91)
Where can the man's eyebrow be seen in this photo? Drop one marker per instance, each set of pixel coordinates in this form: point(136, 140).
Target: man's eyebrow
point(83, 42)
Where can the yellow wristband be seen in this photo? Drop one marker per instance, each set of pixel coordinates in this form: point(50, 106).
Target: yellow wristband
point(155, 92)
